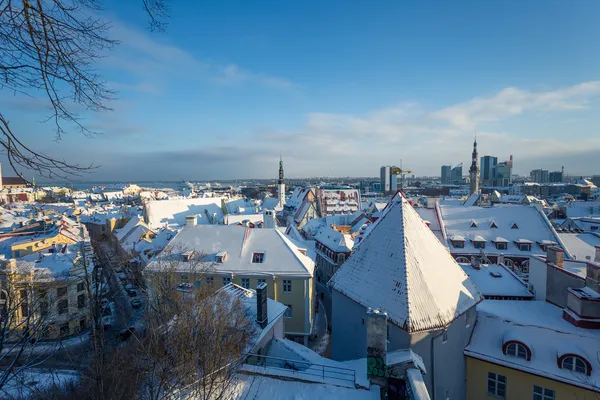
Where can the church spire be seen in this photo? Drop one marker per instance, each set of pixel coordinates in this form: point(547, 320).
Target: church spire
point(280, 181)
point(474, 170)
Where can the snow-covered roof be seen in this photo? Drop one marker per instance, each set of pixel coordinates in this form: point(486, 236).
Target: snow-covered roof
point(429, 214)
point(270, 203)
point(513, 222)
point(231, 219)
point(125, 230)
point(280, 255)
point(496, 280)
point(334, 240)
point(541, 327)
point(173, 212)
point(575, 209)
point(402, 268)
point(581, 245)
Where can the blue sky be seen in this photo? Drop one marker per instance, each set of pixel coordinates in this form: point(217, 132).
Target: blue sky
point(340, 88)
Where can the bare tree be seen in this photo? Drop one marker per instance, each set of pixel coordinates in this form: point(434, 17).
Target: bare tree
point(24, 319)
point(50, 47)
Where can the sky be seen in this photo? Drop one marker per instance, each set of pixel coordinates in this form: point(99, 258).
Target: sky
point(339, 88)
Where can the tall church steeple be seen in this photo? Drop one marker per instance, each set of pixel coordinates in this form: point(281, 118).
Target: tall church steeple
point(281, 183)
point(474, 170)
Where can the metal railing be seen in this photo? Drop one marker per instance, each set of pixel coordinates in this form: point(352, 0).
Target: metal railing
point(302, 368)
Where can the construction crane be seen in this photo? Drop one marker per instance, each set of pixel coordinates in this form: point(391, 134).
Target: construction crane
point(401, 172)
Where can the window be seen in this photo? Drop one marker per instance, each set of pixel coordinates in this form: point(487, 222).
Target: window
point(525, 247)
point(259, 281)
point(63, 306)
point(493, 225)
point(246, 283)
point(44, 307)
point(80, 286)
point(226, 281)
point(473, 224)
point(288, 312)
point(501, 245)
point(576, 364)
point(81, 301)
point(479, 245)
point(258, 258)
point(514, 226)
point(61, 291)
point(496, 385)
point(23, 294)
point(445, 337)
point(184, 278)
point(210, 280)
point(64, 329)
point(287, 286)
point(540, 393)
point(517, 350)
point(341, 258)
point(24, 310)
point(458, 244)
point(593, 228)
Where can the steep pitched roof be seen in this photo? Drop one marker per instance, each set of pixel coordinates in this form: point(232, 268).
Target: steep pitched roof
point(403, 268)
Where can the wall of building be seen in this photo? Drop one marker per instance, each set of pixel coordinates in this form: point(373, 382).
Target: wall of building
point(348, 328)
point(28, 246)
point(558, 282)
point(519, 385)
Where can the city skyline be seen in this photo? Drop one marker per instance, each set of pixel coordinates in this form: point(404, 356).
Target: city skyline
point(221, 96)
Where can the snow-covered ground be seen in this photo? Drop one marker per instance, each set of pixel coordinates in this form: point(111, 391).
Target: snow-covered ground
point(27, 383)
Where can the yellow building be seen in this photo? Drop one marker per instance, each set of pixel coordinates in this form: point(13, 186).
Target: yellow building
point(218, 255)
point(50, 288)
point(527, 350)
point(64, 232)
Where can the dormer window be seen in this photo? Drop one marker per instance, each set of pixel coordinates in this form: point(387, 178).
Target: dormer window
point(258, 258)
point(500, 243)
point(524, 244)
point(478, 242)
point(458, 242)
point(514, 226)
point(221, 256)
point(473, 224)
point(517, 349)
point(493, 225)
point(575, 363)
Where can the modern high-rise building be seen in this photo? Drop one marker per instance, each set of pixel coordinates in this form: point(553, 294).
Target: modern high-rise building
point(488, 167)
point(539, 175)
point(456, 175)
point(446, 173)
point(555, 176)
point(385, 178)
point(504, 173)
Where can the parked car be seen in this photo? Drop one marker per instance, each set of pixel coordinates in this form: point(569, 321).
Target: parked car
point(131, 293)
point(126, 333)
point(136, 303)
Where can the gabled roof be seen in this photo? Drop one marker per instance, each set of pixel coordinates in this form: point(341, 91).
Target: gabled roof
point(402, 268)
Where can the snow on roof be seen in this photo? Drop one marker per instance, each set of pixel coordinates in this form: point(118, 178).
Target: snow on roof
point(496, 280)
point(334, 240)
point(471, 200)
point(297, 197)
point(429, 214)
point(402, 268)
point(270, 203)
point(124, 231)
point(240, 205)
point(174, 212)
point(280, 255)
point(417, 384)
point(257, 386)
point(275, 309)
point(581, 245)
point(531, 225)
point(231, 219)
point(541, 327)
point(576, 209)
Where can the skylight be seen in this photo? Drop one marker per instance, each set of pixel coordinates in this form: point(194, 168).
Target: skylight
point(258, 258)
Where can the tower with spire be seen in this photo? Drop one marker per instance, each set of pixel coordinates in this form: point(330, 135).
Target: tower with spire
point(474, 170)
point(281, 184)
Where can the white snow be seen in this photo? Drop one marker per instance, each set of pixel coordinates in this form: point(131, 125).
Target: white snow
point(174, 212)
point(541, 327)
point(402, 268)
point(581, 245)
point(504, 283)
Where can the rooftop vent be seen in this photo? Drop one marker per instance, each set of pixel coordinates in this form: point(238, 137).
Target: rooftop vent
point(221, 256)
point(495, 274)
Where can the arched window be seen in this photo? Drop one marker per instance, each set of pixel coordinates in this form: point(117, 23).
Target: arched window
point(462, 260)
point(517, 349)
point(575, 363)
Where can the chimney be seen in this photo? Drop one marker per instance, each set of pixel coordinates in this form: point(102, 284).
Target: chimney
point(377, 347)
point(475, 262)
point(597, 256)
point(261, 305)
point(191, 220)
point(500, 259)
point(556, 256)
